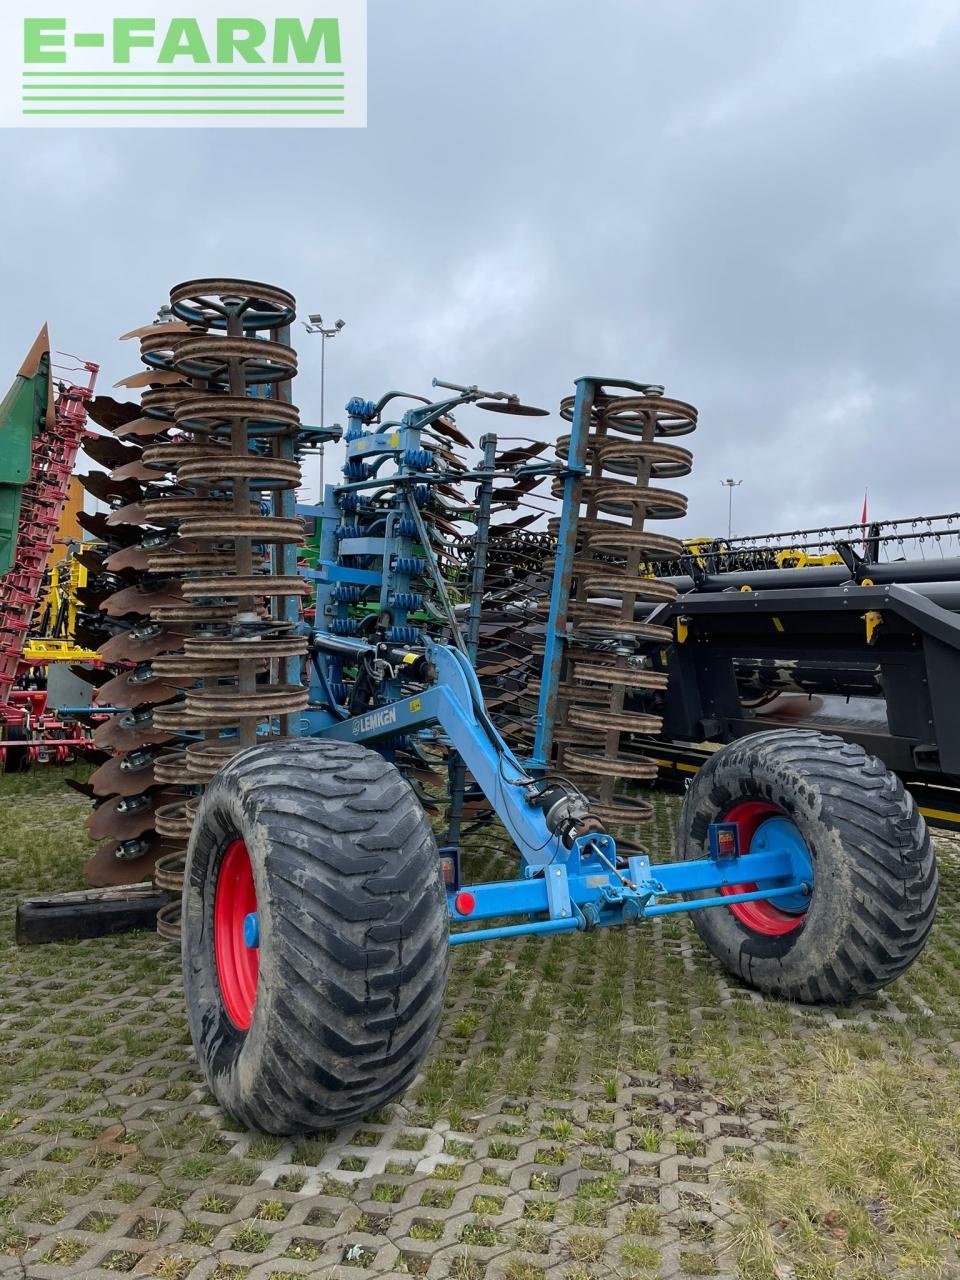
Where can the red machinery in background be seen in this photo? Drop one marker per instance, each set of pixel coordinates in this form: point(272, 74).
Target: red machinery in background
point(48, 416)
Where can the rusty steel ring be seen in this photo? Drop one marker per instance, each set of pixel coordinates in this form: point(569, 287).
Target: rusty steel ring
point(173, 821)
point(259, 528)
point(214, 413)
point(168, 922)
point(210, 355)
point(257, 584)
point(205, 302)
point(168, 872)
point(261, 473)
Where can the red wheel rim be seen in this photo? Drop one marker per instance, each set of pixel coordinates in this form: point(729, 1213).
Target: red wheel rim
point(759, 915)
point(238, 966)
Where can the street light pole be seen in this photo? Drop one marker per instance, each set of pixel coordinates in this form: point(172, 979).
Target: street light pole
point(731, 485)
point(315, 325)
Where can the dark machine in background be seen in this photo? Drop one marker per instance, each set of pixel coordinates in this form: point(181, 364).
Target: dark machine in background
point(867, 648)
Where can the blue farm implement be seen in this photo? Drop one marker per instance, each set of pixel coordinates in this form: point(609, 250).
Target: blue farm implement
point(318, 907)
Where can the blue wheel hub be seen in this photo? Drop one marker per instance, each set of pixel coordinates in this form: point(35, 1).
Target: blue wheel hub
point(782, 835)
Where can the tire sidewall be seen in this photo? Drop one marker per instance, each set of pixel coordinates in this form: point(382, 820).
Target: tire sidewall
point(228, 1053)
point(746, 771)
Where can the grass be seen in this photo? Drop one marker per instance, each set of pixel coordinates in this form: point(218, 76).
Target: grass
point(842, 1133)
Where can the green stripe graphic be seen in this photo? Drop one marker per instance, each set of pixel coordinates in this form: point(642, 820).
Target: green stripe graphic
point(187, 111)
point(183, 73)
point(189, 97)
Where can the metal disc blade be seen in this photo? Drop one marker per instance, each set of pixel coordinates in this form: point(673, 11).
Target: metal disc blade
point(84, 788)
point(447, 427)
point(134, 513)
point(142, 428)
point(147, 330)
point(126, 647)
point(110, 413)
point(108, 451)
point(151, 378)
point(90, 675)
point(124, 691)
point(513, 457)
point(513, 407)
point(114, 735)
point(135, 470)
point(127, 558)
point(96, 525)
point(133, 600)
point(93, 563)
point(105, 868)
point(521, 522)
point(112, 779)
point(109, 822)
point(99, 485)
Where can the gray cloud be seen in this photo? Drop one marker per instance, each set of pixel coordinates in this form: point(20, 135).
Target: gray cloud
point(754, 203)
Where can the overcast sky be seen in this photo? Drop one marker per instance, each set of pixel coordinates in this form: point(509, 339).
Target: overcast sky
point(754, 202)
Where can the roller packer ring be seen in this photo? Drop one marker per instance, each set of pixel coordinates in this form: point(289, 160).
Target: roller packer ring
point(587, 626)
point(625, 811)
point(270, 700)
point(169, 767)
point(262, 306)
point(210, 356)
point(261, 473)
point(227, 649)
point(173, 509)
point(172, 821)
point(621, 456)
point(161, 403)
point(603, 720)
point(167, 455)
point(616, 498)
point(204, 759)
point(188, 562)
point(605, 584)
point(258, 528)
point(157, 348)
point(214, 414)
point(606, 537)
point(595, 764)
point(195, 613)
point(168, 872)
point(630, 415)
point(168, 921)
point(182, 667)
point(618, 677)
point(257, 584)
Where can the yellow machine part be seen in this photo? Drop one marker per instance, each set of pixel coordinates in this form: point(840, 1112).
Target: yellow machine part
point(66, 577)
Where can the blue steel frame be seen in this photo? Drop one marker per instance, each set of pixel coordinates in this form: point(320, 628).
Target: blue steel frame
point(560, 888)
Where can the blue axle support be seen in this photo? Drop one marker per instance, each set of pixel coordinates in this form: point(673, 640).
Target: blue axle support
point(563, 888)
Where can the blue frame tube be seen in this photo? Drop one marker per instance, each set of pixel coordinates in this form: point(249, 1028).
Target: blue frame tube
point(555, 642)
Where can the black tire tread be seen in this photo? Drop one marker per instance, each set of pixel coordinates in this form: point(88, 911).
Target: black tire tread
point(361, 957)
point(888, 856)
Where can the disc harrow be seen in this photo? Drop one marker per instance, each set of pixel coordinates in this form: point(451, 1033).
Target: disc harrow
point(209, 659)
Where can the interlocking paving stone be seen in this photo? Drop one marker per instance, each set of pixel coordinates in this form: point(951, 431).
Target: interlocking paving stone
point(565, 1124)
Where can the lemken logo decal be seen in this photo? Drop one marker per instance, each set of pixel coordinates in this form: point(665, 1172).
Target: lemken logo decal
point(152, 65)
point(379, 719)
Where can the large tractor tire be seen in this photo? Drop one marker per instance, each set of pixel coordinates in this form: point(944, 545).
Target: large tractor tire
point(320, 856)
point(851, 823)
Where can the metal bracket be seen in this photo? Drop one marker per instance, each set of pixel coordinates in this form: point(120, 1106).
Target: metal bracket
point(558, 892)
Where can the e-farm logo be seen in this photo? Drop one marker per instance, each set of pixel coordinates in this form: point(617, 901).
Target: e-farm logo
point(86, 63)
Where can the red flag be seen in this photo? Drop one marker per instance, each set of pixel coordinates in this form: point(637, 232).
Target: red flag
point(863, 514)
